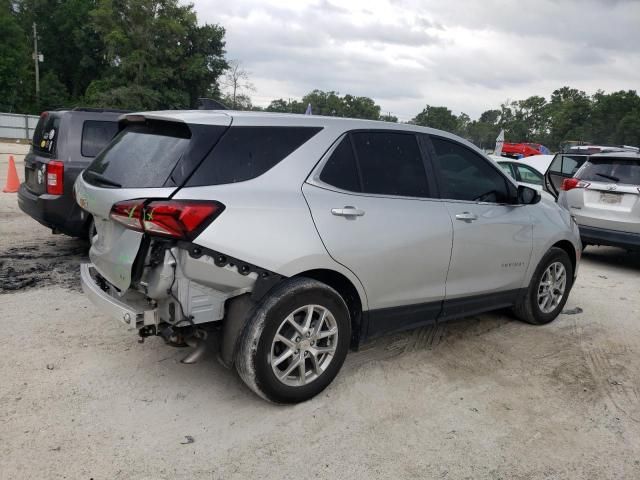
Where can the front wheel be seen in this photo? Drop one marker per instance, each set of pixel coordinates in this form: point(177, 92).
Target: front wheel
point(548, 290)
point(295, 342)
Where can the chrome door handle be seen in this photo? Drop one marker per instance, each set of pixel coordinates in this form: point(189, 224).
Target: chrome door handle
point(347, 211)
point(466, 217)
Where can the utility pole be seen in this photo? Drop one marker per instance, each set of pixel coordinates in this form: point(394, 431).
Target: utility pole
point(36, 59)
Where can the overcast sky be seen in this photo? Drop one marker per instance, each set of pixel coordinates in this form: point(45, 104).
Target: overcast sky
point(468, 55)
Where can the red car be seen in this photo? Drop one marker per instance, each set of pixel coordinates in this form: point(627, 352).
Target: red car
point(519, 150)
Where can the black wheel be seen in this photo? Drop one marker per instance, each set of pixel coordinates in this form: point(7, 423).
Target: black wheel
point(549, 289)
point(295, 342)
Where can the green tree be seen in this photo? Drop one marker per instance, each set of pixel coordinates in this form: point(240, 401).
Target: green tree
point(157, 55)
point(569, 116)
point(14, 58)
point(389, 118)
point(611, 116)
point(437, 117)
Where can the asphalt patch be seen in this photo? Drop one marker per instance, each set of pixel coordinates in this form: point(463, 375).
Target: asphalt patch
point(51, 262)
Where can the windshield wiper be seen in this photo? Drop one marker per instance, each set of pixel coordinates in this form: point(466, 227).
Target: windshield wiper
point(610, 177)
point(102, 179)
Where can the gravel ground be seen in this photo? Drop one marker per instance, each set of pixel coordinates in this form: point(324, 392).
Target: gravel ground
point(484, 398)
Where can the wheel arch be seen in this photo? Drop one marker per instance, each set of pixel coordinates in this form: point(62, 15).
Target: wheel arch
point(568, 247)
point(349, 293)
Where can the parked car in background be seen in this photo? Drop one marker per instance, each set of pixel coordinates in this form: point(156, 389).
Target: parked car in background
point(297, 236)
point(64, 143)
point(521, 172)
point(604, 198)
point(521, 150)
point(566, 164)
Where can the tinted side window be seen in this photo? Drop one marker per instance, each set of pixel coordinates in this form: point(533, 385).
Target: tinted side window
point(390, 163)
point(95, 136)
point(556, 164)
point(465, 175)
point(244, 153)
point(341, 170)
point(570, 164)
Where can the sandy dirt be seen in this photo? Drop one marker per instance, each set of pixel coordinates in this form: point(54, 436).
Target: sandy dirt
point(484, 398)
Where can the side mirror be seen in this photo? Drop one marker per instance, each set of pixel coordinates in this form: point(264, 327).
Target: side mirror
point(528, 195)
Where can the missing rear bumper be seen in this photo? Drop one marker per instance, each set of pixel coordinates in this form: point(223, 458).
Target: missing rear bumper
point(132, 309)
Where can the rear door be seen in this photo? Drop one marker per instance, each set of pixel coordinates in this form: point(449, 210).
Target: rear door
point(610, 197)
point(148, 159)
point(492, 238)
point(372, 202)
point(564, 165)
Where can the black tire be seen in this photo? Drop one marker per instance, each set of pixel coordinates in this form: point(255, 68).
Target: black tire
point(91, 230)
point(255, 343)
point(527, 308)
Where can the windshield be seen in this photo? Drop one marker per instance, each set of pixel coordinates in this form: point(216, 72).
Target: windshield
point(616, 170)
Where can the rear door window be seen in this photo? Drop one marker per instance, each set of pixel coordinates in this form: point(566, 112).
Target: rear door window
point(341, 170)
point(141, 156)
point(390, 164)
point(465, 175)
point(611, 170)
point(96, 135)
point(244, 153)
point(570, 164)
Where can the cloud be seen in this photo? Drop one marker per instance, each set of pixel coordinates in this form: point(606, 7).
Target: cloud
point(467, 55)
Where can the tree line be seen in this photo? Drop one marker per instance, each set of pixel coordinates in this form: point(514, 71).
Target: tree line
point(570, 114)
point(133, 54)
point(153, 54)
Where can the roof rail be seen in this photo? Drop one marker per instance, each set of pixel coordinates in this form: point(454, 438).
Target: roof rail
point(99, 110)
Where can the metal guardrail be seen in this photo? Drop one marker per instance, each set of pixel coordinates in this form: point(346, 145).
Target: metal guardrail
point(15, 125)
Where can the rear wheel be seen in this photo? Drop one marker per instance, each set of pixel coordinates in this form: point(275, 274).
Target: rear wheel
point(91, 231)
point(296, 341)
point(549, 289)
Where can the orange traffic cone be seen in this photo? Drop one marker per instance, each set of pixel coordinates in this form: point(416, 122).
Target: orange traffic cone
point(13, 182)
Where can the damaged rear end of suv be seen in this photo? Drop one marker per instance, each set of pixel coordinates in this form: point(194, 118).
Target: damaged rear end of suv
point(185, 244)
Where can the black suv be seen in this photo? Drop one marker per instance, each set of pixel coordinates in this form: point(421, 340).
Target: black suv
point(64, 143)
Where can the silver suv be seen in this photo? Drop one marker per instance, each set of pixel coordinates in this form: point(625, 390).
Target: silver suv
point(604, 198)
point(294, 238)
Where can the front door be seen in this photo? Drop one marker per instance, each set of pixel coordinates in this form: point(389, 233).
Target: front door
point(492, 239)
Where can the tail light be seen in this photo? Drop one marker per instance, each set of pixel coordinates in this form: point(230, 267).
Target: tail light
point(571, 183)
point(55, 177)
point(180, 219)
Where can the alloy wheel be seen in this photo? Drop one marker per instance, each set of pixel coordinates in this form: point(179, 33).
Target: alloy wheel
point(304, 345)
point(552, 287)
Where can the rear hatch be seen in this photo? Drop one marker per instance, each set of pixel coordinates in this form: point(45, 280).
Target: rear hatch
point(606, 193)
point(150, 158)
point(43, 149)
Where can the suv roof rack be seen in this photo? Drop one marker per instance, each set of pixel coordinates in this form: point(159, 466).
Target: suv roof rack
point(99, 110)
point(88, 109)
